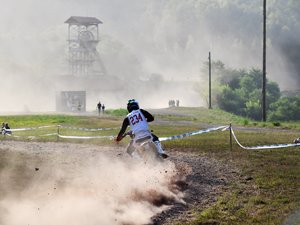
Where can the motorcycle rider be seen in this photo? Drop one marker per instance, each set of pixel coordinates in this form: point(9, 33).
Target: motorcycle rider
point(138, 120)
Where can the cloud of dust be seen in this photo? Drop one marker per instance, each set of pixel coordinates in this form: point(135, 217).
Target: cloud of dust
point(102, 190)
point(139, 39)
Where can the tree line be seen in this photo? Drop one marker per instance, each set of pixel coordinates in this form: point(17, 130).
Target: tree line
point(239, 91)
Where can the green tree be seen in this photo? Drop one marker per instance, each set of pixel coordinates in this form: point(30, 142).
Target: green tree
point(241, 93)
point(231, 100)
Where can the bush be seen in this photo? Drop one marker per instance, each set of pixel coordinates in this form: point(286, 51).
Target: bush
point(285, 109)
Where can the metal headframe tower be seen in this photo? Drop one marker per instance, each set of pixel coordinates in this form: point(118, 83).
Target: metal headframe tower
point(83, 38)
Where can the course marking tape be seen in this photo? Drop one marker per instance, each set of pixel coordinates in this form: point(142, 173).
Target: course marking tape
point(193, 133)
point(84, 137)
point(45, 135)
point(188, 134)
point(86, 129)
point(62, 136)
point(28, 128)
point(263, 146)
point(61, 126)
point(42, 135)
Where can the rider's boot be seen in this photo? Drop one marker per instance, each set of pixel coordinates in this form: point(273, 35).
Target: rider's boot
point(160, 149)
point(130, 148)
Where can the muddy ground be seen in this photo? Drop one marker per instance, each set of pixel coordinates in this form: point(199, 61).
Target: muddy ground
point(38, 178)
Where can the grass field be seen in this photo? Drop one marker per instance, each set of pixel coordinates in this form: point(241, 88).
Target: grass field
point(268, 190)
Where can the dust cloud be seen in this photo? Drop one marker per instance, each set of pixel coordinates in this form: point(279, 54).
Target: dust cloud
point(77, 187)
point(152, 50)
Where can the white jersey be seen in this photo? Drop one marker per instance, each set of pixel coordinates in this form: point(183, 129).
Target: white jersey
point(138, 124)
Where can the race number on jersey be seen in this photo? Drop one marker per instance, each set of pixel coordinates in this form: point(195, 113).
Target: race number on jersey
point(135, 118)
point(137, 121)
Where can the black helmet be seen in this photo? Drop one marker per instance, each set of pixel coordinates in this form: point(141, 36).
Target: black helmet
point(132, 105)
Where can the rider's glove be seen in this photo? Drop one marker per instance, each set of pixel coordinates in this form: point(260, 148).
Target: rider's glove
point(119, 138)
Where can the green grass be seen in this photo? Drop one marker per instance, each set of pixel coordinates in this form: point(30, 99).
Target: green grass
point(217, 116)
point(268, 197)
point(117, 112)
point(24, 121)
point(67, 120)
point(198, 114)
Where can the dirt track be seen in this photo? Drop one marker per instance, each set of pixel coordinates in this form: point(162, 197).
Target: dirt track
point(53, 171)
point(206, 181)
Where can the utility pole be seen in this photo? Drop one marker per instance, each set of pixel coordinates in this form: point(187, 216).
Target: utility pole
point(209, 81)
point(264, 81)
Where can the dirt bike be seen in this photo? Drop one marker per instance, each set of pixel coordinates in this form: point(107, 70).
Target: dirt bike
point(145, 148)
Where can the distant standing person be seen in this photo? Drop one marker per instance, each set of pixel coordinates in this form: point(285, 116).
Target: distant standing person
point(3, 128)
point(99, 108)
point(177, 103)
point(103, 108)
point(173, 103)
point(7, 129)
